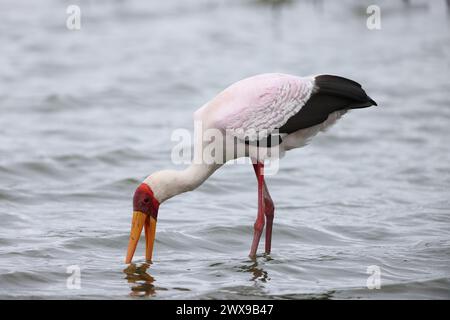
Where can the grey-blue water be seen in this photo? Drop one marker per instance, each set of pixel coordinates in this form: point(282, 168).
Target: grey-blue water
point(86, 115)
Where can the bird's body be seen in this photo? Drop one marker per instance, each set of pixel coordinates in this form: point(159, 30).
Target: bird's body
point(253, 108)
point(258, 117)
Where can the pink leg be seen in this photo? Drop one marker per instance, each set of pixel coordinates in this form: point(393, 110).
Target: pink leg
point(269, 212)
point(269, 209)
point(259, 223)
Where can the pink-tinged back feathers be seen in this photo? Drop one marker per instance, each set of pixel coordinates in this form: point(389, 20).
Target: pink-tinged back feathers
point(258, 104)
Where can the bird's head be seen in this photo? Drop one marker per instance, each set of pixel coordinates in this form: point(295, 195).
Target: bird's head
point(145, 213)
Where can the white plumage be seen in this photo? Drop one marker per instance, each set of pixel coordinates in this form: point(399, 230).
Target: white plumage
point(254, 107)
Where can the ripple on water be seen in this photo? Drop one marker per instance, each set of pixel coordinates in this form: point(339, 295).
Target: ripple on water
point(373, 190)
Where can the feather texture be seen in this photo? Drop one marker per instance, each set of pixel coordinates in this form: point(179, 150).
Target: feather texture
point(252, 108)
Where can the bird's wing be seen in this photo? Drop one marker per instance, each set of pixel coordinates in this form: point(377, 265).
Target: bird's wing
point(253, 108)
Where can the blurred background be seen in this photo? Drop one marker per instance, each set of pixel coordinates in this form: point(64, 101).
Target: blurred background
point(86, 114)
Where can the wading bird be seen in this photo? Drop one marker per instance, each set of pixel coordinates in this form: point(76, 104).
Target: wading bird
point(259, 115)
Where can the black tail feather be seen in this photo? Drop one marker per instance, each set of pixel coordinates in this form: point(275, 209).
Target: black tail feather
point(345, 88)
point(333, 93)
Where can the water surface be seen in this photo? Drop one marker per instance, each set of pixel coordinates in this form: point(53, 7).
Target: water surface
point(86, 115)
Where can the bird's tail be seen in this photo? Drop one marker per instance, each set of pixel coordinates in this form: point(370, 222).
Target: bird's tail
point(347, 89)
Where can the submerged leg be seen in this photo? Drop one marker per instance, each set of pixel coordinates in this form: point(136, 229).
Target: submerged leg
point(269, 209)
point(259, 223)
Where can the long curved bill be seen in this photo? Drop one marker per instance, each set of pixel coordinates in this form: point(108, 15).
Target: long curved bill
point(141, 221)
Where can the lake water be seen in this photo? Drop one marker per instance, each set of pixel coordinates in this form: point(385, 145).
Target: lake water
point(86, 115)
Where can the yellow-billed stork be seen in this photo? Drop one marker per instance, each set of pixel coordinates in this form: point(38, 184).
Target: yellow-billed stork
point(250, 113)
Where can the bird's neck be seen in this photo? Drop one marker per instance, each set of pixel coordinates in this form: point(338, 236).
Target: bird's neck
point(168, 183)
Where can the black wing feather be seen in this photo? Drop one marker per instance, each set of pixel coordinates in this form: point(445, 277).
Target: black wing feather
point(332, 93)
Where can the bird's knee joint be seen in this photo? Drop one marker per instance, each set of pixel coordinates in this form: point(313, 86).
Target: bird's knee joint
point(259, 226)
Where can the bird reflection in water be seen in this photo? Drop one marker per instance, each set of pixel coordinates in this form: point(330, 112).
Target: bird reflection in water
point(142, 281)
point(258, 273)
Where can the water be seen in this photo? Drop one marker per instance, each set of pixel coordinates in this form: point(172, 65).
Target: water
point(86, 115)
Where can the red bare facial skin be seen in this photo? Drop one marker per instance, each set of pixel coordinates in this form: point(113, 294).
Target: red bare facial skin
point(145, 202)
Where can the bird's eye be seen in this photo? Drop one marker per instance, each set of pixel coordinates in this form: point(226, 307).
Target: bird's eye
point(146, 200)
